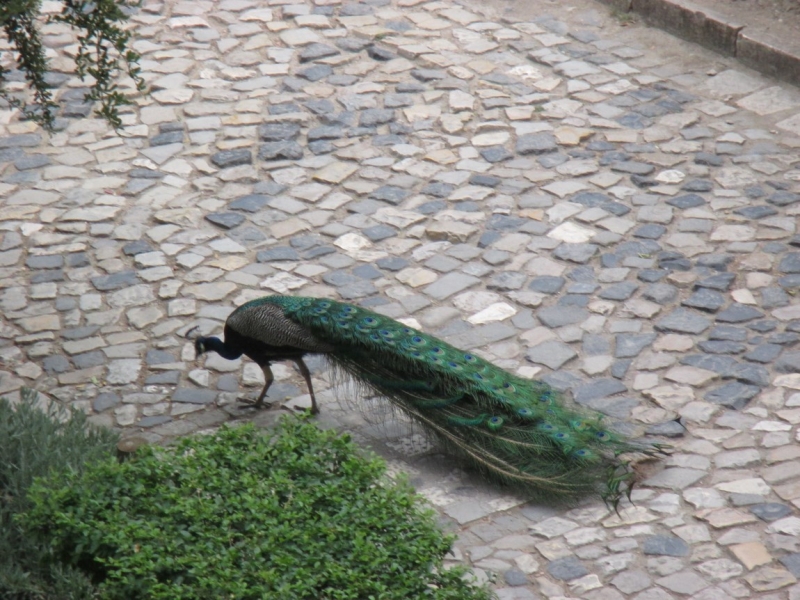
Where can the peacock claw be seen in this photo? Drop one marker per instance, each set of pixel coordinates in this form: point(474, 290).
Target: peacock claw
point(250, 403)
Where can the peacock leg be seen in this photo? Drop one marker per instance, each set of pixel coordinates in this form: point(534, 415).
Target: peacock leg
point(307, 376)
point(269, 378)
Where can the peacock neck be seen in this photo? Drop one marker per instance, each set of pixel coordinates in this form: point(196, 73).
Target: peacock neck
point(218, 346)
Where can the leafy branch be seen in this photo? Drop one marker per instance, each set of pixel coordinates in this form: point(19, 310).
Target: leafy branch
point(103, 54)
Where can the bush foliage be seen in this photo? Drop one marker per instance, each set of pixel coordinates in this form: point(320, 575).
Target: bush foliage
point(298, 514)
point(36, 443)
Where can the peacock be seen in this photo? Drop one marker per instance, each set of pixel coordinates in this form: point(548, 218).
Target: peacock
point(515, 430)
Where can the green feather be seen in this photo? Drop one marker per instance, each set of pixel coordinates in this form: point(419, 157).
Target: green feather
point(513, 429)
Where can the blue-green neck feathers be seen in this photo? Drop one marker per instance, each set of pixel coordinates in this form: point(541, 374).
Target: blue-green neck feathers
point(206, 344)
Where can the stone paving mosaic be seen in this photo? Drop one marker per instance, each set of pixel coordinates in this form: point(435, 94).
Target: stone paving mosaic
point(611, 210)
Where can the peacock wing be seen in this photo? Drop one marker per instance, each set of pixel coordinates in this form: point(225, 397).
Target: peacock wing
point(269, 324)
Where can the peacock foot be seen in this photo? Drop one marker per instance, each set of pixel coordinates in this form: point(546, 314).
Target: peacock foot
point(246, 402)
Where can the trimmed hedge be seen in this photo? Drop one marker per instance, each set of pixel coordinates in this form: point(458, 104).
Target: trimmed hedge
point(298, 513)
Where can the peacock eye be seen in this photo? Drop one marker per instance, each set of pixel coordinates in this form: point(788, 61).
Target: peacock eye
point(561, 436)
point(469, 358)
point(370, 321)
point(525, 412)
point(418, 340)
point(478, 376)
point(385, 333)
point(325, 304)
point(603, 436)
point(453, 365)
point(495, 422)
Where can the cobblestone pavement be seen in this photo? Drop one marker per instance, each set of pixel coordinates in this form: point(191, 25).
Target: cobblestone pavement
point(606, 208)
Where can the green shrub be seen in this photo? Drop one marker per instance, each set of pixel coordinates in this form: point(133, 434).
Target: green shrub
point(35, 443)
point(296, 514)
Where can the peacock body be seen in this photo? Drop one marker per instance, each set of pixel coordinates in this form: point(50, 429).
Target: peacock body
point(513, 429)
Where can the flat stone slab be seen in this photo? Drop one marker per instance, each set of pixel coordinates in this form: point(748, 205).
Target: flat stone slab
point(675, 478)
point(552, 354)
point(683, 321)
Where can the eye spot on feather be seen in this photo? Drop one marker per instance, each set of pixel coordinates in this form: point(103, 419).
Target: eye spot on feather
point(478, 376)
point(454, 366)
point(324, 304)
point(509, 387)
point(603, 436)
point(437, 351)
point(343, 324)
point(525, 412)
point(419, 341)
point(546, 427)
point(582, 453)
point(470, 358)
point(369, 321)
point(495, 423)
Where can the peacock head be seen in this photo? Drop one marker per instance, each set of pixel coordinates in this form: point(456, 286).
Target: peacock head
point(200, 346)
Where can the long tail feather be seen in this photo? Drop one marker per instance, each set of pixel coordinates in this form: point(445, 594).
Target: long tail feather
point(515, 430)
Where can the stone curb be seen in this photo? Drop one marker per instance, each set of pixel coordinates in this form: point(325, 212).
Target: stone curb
point(766, 52)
